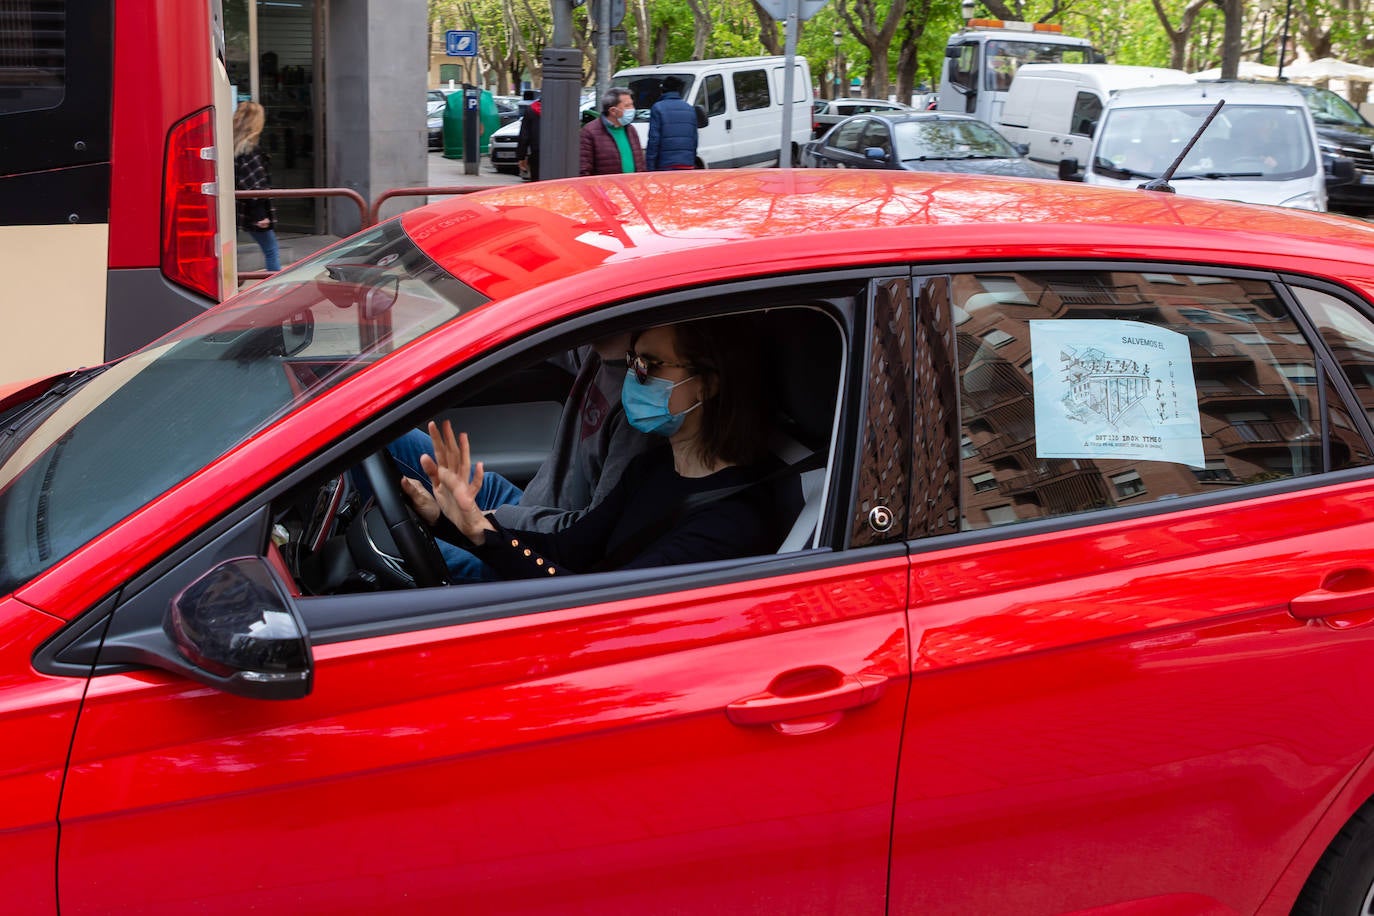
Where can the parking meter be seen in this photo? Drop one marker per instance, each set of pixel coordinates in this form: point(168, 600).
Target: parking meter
point(472, 97)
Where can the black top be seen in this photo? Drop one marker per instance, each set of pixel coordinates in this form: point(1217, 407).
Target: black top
point(653, 517)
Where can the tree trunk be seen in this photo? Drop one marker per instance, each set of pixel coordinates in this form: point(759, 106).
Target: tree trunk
point(1178, 36)
point(1231, 37)
point(914, 21)
point(644, 49)
point(876, 37)
point(701, 28)
point(768, 30)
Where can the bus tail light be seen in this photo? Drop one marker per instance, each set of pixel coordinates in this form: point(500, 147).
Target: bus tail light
point(189, 194)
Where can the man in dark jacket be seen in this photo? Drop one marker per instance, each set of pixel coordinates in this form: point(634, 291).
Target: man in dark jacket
point(527, 145)
point(672, 130)
point(609, 145)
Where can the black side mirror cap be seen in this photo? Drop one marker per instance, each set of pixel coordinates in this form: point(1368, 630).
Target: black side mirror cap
point(237, 630)
point(1068, 170)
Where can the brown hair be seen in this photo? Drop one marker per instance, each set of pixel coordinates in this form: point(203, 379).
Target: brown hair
point(248, 121)
point(726, 353)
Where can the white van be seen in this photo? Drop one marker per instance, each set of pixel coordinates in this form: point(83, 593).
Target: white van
point(1054, 108)
point(742, 99)
point(1261, 148)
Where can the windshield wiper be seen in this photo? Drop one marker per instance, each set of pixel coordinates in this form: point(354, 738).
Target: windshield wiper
point(1219, 175)
point(18, 417)
point(1121, 172)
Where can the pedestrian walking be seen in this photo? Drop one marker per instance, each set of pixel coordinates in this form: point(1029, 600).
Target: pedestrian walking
point(527, 145)
point(609, 146)
point(257, 216)
point(672, 130)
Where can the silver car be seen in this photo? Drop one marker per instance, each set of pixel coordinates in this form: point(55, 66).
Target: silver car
point(828, 112)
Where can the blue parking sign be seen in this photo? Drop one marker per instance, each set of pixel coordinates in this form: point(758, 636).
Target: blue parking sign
point(460, 43)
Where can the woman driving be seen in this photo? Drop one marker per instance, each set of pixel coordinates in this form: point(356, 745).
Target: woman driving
point(699, 385)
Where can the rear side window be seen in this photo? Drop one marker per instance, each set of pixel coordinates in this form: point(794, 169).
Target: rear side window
point(713, 95)
point(1087, 108)
point(1083, 391)
point(751, 90)
point(1350, 335)
point(847, 136)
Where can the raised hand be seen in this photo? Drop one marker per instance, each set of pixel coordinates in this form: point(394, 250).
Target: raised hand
point(456, 482)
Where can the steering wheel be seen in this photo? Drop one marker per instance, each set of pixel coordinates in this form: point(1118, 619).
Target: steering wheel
point(413, 539)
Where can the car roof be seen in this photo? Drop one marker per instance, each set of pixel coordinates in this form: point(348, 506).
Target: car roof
point(1208, 91)
point(580, 237)
point(1110, 77)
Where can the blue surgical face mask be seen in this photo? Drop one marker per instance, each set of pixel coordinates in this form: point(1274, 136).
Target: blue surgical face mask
point(646, 404)
point(627, 117)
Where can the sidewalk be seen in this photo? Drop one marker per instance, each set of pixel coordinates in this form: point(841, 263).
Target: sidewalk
point(443, 173)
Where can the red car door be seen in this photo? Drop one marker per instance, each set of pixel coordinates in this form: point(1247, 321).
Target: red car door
point(1136, 684)
point(685, 741)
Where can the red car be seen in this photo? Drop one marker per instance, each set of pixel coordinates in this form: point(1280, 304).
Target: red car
point(1077, 614)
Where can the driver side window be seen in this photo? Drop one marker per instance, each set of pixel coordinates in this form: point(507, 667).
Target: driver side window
point(585, 484)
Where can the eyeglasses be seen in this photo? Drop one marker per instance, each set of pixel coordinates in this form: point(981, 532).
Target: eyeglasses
point(641, 365)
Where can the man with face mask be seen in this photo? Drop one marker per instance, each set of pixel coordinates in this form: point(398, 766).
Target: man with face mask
point(609, 145)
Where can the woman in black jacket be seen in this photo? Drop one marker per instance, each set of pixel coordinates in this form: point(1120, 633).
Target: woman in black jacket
point(697, 384)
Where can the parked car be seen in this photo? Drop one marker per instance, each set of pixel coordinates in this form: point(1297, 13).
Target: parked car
point(1343, 134)
point(1075, 611)
point(506, 138)
point(828, 112)
point(434, 126)
point(1260, 148)
point(927, 141)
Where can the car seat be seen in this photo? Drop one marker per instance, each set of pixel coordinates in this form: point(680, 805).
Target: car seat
point(806, 367)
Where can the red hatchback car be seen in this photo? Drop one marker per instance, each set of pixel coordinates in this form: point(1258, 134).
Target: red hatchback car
point(1074, 611)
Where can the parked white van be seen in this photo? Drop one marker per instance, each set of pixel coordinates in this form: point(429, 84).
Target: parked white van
point(1261, 148)
point(1054, 108)
point(742, 99)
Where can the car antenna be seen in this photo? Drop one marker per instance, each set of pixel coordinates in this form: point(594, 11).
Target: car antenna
point(1162, 182)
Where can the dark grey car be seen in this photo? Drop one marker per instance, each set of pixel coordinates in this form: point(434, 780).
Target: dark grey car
point(920, 142)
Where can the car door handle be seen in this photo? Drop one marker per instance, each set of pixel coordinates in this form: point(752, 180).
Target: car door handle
point(1346, 591)
point(1054, 139)
point(727, 123)
point(807, 692)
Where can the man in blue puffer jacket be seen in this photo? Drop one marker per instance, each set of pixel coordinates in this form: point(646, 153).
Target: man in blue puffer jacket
point(672, 130)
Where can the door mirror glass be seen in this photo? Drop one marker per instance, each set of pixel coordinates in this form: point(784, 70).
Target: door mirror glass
point(240, 632)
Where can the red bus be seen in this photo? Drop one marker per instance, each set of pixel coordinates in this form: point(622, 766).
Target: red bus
point(116, 176)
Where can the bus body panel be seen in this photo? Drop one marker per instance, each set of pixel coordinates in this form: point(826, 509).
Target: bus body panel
point(54, 298)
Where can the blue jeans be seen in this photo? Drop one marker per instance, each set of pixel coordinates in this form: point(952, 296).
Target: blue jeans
point(267, 241)
point(496, 491)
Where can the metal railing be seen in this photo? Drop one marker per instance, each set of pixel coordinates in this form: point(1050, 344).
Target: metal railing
point(367, 215)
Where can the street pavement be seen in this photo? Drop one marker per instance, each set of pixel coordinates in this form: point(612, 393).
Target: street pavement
point(443, 173)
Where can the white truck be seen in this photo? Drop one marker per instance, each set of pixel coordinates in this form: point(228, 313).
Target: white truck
point(982, 58)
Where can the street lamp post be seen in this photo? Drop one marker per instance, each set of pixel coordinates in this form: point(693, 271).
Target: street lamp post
point(838, 36)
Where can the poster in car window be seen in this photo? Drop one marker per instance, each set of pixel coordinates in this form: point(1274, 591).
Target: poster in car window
point(1114, 389)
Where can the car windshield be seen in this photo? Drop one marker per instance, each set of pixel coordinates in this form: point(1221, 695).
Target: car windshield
point(941, 139)
point(1258, 142)
point(77, 460)
point(1330, 109)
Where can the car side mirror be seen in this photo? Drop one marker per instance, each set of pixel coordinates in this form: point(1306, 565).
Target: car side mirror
point(1068, 170)
point(953, 51)
point(1022, 149)
point(239, 632)
point(1339, 170)
point(875, 152)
